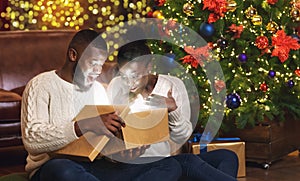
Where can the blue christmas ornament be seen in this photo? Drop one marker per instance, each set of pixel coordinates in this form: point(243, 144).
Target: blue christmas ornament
point(207, 29)
point(272, 73)
point(290, 83)
point(171, 57)
point(233, 100)
point(243, 57)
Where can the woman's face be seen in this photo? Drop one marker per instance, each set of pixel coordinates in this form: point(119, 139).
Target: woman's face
point(135, 76)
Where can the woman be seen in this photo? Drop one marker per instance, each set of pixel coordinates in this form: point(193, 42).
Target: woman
point(143, 90)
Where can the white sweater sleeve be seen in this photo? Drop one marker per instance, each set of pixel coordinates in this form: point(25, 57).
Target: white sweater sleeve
point(40, 135)
point(179, 119)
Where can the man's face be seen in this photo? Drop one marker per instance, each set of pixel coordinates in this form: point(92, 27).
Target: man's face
point(89, 67)
point(135, 76)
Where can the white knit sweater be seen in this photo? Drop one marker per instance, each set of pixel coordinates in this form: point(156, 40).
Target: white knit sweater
point(179, 119)
point(49, 105)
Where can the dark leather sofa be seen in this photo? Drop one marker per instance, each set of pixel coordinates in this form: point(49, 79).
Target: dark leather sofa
point(24, 54)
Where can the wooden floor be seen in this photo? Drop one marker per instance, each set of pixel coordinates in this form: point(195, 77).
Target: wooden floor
point(286, 169)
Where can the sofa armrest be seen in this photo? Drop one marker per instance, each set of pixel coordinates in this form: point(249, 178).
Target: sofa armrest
point(8, 96)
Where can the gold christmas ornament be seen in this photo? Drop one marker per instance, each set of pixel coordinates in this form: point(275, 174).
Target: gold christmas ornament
point(231, 6)
point(188, 9)
point(157, 14)
point(256, 20)
point(250, 12)
point(295, 13)
point(272, 27)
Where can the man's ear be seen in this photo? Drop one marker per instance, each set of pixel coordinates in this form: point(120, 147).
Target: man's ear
point(72, 53)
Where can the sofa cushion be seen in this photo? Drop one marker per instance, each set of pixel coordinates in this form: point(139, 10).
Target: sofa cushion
point(8, 96)
point(10, 110)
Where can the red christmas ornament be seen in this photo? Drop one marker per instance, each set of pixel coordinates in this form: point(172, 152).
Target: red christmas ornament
point(262, 42)
point(160, 2)
point(150, 14)
point(264, 87)
point(297, 72)
point(272, 1)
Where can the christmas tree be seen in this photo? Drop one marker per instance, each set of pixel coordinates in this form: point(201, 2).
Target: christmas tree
point(257, 45)
point(255, 42)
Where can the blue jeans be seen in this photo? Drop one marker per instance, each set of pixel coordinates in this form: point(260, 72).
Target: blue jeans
point(218, 165)
point(167, 169)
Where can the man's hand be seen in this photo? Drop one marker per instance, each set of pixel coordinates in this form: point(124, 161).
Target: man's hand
point(112, 122)
point(107, 124)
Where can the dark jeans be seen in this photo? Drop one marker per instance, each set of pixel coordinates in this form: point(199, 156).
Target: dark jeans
point(167, 169)
point(218, 165)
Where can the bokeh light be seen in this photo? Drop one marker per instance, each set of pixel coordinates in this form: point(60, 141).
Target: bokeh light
point(70, 14)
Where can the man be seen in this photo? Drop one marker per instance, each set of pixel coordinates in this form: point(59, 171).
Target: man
point(142, 90)
point(50, 102)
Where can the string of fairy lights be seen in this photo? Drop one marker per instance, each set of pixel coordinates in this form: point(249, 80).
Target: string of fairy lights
point(254, 23)
point(104, 14)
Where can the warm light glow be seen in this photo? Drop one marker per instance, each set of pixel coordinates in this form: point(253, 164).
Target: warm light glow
point(73, 14)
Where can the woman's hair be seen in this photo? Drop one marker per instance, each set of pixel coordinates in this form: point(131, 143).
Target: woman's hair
point(131, 51)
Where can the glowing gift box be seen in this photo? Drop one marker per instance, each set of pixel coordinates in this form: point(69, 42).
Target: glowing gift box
point(142, 128)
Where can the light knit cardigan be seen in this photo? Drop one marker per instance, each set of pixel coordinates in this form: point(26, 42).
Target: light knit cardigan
point(49, 105)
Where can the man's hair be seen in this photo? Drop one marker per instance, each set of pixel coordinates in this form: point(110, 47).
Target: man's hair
point(131, 51)
point(86, 37)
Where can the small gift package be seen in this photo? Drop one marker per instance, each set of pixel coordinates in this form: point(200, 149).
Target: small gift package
point(233, 144)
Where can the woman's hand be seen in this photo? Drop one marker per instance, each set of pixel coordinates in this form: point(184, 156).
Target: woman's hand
point(170, 102)
point(130, 154)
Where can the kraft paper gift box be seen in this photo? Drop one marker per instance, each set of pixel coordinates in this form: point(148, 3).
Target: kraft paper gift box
point(237, 147)
point(142, 128)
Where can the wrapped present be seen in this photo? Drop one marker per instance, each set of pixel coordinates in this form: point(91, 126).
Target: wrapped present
point(233, 144)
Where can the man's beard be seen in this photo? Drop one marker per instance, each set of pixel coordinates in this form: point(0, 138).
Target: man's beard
point(79, 79)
